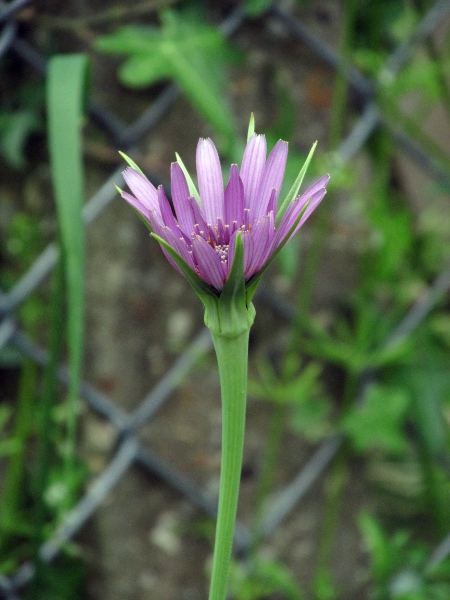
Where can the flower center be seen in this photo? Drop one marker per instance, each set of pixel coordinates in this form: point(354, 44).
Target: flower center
point(222, 251)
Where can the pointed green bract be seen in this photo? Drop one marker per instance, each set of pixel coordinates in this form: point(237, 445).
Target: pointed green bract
point(251, 127)
point(143, 219)
point(235, 315)
point(201, 288)
point(226, 314)
point(191, 185)
point(130, 162)
point(293, 192)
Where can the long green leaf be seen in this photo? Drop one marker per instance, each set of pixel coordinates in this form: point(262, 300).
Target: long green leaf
point(66, 85)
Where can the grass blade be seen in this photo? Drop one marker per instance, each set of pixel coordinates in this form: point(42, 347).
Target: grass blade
point(66, 86)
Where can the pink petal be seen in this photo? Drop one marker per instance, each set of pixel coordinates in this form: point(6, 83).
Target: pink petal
point(142, 189)
point(252, 168)
point(262, 235)
point(198, 218)
point(166, 211)
point(292, 213)
point(272, 204)
point(247, 242)
point(234, 198)
point(180, 198)
point(320, 183)
point(272, 178)
point(210, 182)
point(176, 243)
point(315, 200)
point(135, 203)
point(210, 268)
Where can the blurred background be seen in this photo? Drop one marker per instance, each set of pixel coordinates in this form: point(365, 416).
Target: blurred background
point(109, 395)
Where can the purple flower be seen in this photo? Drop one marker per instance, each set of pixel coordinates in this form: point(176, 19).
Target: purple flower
point(204, 229)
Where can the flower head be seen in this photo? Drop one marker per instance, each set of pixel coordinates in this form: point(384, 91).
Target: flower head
point(206, 225)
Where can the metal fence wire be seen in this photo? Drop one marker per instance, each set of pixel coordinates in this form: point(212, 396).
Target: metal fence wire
point(130, 450)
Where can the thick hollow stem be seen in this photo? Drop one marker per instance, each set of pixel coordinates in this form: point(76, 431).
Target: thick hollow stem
point(232, 358)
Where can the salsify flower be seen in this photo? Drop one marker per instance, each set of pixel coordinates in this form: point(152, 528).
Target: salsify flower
point(204, 229)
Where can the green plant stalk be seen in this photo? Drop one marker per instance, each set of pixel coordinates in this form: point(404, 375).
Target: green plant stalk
point(48, 400)
point(435, 488)
point(12, 497)
point(431, 434)
point(232, 358)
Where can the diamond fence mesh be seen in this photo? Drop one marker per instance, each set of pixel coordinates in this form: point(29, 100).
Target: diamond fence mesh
point(129, 450)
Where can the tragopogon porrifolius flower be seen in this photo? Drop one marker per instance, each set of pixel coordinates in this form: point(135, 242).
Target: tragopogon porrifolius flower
point(205, 226)
point(222, 239)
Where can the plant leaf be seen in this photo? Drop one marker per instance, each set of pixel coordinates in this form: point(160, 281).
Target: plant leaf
point(201, 288)
point(66, 90)
point(131, 163)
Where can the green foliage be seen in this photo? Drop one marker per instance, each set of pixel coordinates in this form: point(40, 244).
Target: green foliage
point(62, 581)
point(184, 50)
point(303, 393)
point(421, 75)
point(8, 445)
point(255, 8)
point(399, 566)
point(378, 424)
point(22, 242)
point(381, 25)
point(20, 116)
point(15, 128)
point(261, 578)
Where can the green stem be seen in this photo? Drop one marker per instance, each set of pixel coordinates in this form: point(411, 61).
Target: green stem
point(12, 499)
point(232, 358)
point(48, 401)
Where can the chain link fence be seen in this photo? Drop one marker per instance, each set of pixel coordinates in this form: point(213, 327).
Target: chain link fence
point(129, 449)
